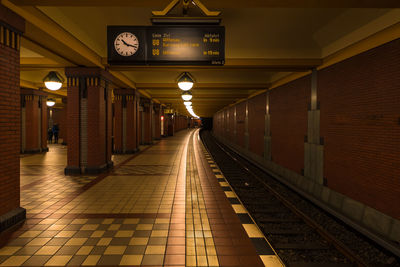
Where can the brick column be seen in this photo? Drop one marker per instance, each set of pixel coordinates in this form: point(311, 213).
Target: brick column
point(11, 28)
point(169, 120)
point(33, 121)
point(125, 109)
point(147, 121)
point(89, 120)
point(64, 122)
point(157, 121)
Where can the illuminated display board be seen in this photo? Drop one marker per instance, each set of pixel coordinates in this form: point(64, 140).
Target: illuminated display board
point(166, 45)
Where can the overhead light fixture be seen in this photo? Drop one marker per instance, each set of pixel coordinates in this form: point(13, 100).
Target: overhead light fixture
point(187, 103)
point(187, 95)
point(53, 81)
point(185, 82)
point(50, 102)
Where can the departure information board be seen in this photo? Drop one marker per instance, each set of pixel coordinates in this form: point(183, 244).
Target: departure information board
point(166, 45)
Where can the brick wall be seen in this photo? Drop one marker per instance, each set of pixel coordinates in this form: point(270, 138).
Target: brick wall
point(240, 123)
point(360, 124)
point(73, 116)
point(257, 124)
point(118, 127)
point(9, 128)
point(31, 122)
point(288, 110)
point(131, 124)
point(96, 126)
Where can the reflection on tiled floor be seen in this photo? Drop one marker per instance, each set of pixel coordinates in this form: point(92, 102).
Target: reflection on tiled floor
point(156, 208)
point(200, 248)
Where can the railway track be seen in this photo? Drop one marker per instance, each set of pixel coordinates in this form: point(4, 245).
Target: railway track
point(301, 233)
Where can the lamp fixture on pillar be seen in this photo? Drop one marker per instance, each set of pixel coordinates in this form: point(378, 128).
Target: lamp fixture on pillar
point(53, 80)
point(50, 102)
point(185, 81)
point(187, 95)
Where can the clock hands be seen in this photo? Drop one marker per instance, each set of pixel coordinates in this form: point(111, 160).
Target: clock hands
point(125, 43)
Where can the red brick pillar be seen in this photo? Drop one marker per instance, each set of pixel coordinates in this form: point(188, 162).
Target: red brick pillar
point(89, 120)
point(170, 124)
point(34, 122)
point(125, 109)
point(157, 121)
point(63, 122)
point(147, 105)
point(11, 28)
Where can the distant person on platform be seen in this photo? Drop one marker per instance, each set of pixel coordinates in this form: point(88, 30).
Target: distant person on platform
point(50, 135)
point(55, 133)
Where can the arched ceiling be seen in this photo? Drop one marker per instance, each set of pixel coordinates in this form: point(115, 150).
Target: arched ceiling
point(265, 41)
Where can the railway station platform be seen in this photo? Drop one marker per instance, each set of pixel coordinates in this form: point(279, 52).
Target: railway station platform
point(167, 205)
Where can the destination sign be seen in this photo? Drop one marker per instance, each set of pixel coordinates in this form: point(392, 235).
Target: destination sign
point(166, 45)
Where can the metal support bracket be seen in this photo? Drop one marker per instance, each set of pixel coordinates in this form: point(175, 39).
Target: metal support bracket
point(186, 4)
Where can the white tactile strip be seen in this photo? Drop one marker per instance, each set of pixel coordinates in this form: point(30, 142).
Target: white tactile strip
point(262, 245)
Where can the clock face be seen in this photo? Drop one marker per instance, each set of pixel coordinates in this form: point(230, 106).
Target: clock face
point(126, 44)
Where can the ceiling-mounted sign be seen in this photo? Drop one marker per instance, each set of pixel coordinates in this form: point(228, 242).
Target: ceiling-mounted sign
point(166, 45)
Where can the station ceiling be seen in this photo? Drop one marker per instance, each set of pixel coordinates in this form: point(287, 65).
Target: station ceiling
point(266, 40)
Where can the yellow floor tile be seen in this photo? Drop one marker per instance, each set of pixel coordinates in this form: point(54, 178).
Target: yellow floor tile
point(162, 220)
point(84, 250)
point(58, 261)
point(79, 221)
point(115, 250)
point(107, 221)
point(159, 250)
point(48, 250)
point(114, 227)
point(211, 251)
point(252, 230)
point(144, 227)
point(200, 251)
point(31, 234)
point(97, 233)
point(66, 233)
point(89, 227)
point(191, 261)
point(15, 261)
point(131, 260)
point(56, 227)
point(91, 260)
point(131, 221)
point(202, 261)
point(191, 251)
point(230, 194)
point(38, 242)
point(213, 261)
point(238, 208)
point(138, 241)
point(105, 241)
point(124, 234)
point(209, 242)
point(271, 261)
point(159, 233)
point(76, 241)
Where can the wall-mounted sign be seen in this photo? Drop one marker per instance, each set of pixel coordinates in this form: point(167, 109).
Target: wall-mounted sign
point(168, 111)
point(166, 45)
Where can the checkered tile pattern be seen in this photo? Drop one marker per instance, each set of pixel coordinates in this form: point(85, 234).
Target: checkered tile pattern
point(161, 207)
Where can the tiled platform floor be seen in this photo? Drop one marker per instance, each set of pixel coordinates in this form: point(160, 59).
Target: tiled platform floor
point(160, 207)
